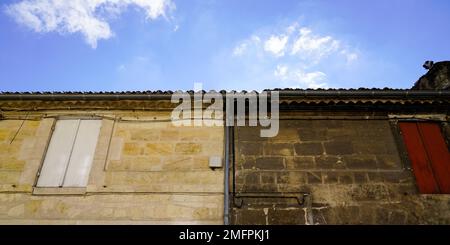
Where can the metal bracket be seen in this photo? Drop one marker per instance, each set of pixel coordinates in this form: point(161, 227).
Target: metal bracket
point(301, 197)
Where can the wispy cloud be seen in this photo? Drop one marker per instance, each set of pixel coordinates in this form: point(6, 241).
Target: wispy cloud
point(313, 47)
point(243, 46)
point(295, 54)
point(88, 17)
point(299, 78)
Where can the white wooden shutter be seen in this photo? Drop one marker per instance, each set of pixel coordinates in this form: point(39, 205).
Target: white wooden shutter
point(80, 163)
point(58, 153)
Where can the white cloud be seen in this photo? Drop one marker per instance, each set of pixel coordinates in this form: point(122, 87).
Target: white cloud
point(242, 47)
point(88, 17)
point(276, 45)
point(294, 56)
point(298, 78)
point(314, 47)
point(281, 71)
point(350, 56)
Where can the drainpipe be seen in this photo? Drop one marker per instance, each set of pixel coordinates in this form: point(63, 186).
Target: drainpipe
point(226, 204)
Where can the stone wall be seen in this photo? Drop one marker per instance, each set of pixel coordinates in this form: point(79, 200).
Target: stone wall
point(145, 171)
point(351, 168)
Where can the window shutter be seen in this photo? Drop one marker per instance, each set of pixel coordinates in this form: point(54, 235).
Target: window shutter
point(58, 153)
point(429, 156)
point(80, 163)
point(437, 150)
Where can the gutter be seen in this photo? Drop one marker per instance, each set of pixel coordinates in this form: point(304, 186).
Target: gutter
point(84, 97)
point(378, 94)
point(375, 94)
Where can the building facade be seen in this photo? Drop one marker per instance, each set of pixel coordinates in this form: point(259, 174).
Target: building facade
point(340, 157)
point(346, 161)
point(143, 169)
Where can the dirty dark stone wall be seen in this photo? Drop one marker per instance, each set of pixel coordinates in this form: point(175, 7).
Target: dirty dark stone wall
point(351, 168)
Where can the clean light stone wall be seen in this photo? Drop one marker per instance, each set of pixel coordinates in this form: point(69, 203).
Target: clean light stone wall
point(145, 171)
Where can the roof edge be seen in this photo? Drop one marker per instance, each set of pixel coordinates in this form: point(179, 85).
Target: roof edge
point(291, 94)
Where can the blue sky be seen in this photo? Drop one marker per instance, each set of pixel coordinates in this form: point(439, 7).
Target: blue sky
point(105, 45)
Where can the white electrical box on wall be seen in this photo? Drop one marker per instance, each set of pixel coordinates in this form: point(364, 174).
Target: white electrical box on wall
point(215, 162)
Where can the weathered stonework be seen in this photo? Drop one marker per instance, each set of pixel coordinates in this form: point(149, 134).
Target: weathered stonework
point(336, 147)
point(145, 171)
point(351, 169)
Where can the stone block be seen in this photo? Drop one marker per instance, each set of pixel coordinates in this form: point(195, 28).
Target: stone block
point(375, 147)
point(250, 148)
point(144, 135)
point(302, 149)
point(5, 134)
point(360, 178)
point(313, 134)
point(159, 148)
point(397, 218)
point(212, 147)
point(249, 216)
point(329, 162)
point(9, 177)
point(11, 164)
point(286, 216)
point(278, 149)
point(252, 178)
point(347, 215)
point(314, 178)
point(10, 149)
point(330, 177)
point(296, 178)
point(323, 216)
point(370, 192)
point(339, 147)
point(169, 135)
point(345, 178)
point(136, 164)
point(132, 149)
point(247, 162)
point(188, 148)
point(285, 134)
point(389, 161)
point(360, 162)
point(397, 177)
point(196, 134)
point(299, 162)
point(250, 134)
point(268, 178)
point(269, 163)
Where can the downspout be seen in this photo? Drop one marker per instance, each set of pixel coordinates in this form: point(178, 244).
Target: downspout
point(226, 199)
point(233, 163)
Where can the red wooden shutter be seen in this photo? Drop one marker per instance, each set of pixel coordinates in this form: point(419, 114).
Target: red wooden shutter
point(429, 156)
